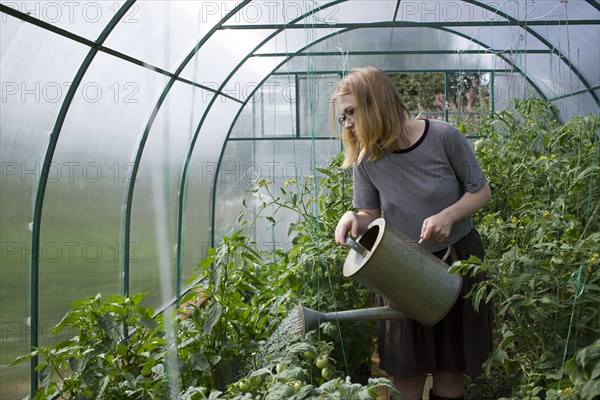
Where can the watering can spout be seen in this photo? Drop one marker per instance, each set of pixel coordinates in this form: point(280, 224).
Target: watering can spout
point(313, 318)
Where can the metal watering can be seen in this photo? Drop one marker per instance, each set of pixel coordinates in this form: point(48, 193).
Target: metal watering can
point(416, 283)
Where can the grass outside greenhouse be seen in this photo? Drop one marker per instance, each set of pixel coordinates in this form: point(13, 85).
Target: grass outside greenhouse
point(542, 234)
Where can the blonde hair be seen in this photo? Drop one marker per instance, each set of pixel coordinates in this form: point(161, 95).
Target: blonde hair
point(380, 115)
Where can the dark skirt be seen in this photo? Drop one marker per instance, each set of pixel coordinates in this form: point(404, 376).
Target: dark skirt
point(460, 342)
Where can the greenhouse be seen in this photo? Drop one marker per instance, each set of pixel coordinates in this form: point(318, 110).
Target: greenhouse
point(173, 173)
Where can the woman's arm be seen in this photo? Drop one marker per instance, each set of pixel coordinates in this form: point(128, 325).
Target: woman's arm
point(355, 223)
point(438, 226)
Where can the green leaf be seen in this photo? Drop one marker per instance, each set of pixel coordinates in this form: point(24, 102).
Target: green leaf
point(199, 362)
point(44, 373)
point(590, 390)
point(75, 363)
point(212, 317)
point(279, 391)
point(148, 323)
point(107, 323)
point(25, 357)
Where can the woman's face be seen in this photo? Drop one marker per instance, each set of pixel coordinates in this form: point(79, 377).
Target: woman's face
point(346, 103)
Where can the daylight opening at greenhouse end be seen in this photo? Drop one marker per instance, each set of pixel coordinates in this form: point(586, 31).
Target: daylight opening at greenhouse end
point(300, 199)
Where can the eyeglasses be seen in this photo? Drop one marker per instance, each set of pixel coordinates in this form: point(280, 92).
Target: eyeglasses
point(347, 116)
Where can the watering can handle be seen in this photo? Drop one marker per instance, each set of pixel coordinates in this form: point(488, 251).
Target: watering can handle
point(445, 255)
point(354, 245)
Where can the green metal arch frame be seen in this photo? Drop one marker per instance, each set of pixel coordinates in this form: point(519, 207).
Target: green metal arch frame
point(44, 173)
point(141, 146)
point(96, 46)
point(509, 21)
point(525, 26)
point(299, 52)
point(491, 51)
point(185, 174)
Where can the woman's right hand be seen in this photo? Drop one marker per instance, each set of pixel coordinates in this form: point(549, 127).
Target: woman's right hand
point(348, 223)
point(354, 223)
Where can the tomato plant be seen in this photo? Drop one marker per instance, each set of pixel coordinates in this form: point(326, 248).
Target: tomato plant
point(541, 232)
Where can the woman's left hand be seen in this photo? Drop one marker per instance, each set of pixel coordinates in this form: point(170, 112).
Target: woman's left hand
point(437, 228)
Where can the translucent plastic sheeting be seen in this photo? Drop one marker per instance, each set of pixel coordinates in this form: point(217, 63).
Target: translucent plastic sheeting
point(271, 112)
point(551, 75)
point(83, 18)
point(581, 104)
point(203, 174)
point(491, 11)
point(315, 99)
point(577, 44)
point(394, 39)
point(250, 76)
point(81, 243)
point(405, 62)
point(500, 38)
point(509, 86)
point(159, 174)
point(276, 160)
point(32, 94)
point(160, 33)
point(333, 12)
point(290, 41)
point(302, 12)
point(220, 55)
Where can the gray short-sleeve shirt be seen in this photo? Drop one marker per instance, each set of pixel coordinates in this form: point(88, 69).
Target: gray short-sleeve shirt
point(415, 183)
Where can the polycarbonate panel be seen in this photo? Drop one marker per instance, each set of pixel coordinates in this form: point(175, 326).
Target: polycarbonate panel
point(501, 38)
point(487, 12)
point(394, 39)
point(277, 160)
point(447, 11)
point(36, 70)
point(280, 12)
point(510, 86)
point(84, 17)
point(162, 33)
point(316, 105)
point(250, 75)
point(551, 75)
point(582, 104)
point(399, 62)
point(270, 112)
point(290, 41)
point(220, 55)
point(363, 11)
point(546, 10)
point(156, 196)
point(580, 44)
point(202, 175)
point(81, 241)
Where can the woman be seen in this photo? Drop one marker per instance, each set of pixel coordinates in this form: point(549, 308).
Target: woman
point(423, 177)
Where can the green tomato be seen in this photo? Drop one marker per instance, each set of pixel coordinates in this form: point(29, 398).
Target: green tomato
point(322, 361)
point(327, 373)
point(296, 385)
point(244, 385)
point(309, 355)
point(479, 145)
